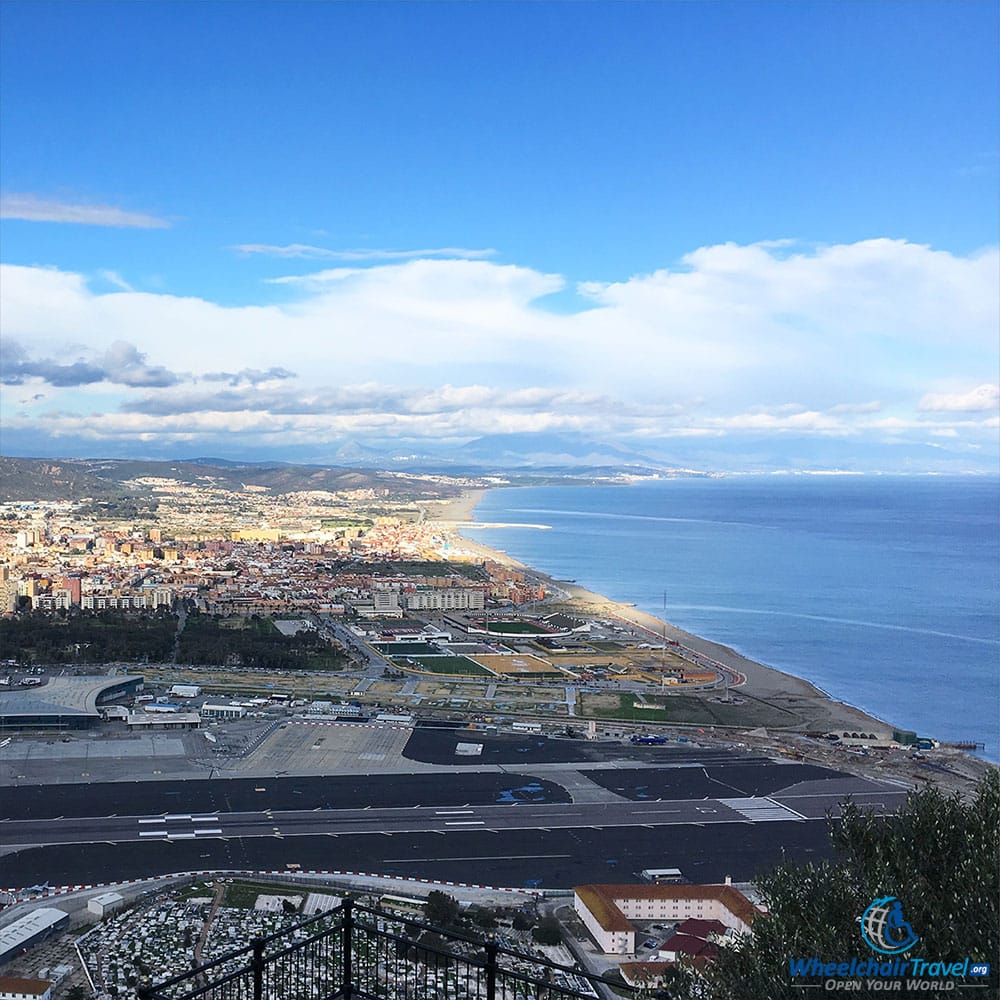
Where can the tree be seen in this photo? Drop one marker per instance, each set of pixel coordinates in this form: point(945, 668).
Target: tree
point(547, 931)
point(441, 909)
point(939, 855)
point(485, 918)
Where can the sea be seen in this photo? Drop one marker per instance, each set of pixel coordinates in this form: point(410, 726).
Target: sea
point(882, 591)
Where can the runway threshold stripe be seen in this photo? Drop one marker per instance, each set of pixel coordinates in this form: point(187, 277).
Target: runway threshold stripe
point(177, 816)
point(466, 822)
point(158, 819)
point(787, 808)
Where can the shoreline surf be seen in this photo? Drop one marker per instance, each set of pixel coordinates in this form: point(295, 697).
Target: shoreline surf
point(764, 682)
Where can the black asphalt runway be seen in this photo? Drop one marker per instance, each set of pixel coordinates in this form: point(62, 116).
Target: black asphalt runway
point(732, 780)
point(436, 746)
point(516, 858)
point(151, 798)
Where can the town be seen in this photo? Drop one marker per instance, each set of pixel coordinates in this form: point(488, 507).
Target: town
point(214, 683)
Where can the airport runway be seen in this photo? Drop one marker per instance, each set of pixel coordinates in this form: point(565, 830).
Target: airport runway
point(536, 812)
point(150, 798)
point(557, 858)
point(419, 819)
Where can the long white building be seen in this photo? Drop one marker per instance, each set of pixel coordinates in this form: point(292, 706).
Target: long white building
point(608, 911)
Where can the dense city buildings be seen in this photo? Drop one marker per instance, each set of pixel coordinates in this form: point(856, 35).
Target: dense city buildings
point(263, 555)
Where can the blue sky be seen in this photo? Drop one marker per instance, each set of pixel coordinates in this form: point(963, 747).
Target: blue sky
point(230, 228)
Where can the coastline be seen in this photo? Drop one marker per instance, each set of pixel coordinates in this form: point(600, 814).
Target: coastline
point(762, 682)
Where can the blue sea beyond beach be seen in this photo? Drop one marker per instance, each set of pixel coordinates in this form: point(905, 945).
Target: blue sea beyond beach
point(882, 591)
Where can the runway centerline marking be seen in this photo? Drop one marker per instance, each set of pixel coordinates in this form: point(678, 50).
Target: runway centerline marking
point(466, 822)
point(498, 857)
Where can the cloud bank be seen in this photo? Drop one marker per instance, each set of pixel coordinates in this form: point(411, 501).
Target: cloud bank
point(883, 340)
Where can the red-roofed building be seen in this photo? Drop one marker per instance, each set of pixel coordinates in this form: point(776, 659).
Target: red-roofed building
point(608, 911)
point(13, 988)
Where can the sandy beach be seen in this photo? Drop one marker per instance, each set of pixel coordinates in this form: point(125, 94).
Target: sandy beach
point(762, 682)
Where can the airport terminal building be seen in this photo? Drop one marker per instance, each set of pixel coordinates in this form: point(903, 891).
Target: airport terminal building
point(64, 702)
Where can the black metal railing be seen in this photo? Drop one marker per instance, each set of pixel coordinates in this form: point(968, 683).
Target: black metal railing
point(357, 953)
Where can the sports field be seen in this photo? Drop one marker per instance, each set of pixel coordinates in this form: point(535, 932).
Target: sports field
point(442, 665)
point(524, 666)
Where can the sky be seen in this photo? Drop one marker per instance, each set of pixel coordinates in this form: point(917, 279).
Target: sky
point(709, 230)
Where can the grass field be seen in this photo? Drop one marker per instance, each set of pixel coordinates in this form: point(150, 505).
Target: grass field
point(688, 710)
point(243, 895)
point(442, 665)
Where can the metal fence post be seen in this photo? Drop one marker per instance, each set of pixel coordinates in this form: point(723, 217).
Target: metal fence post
point(491, 968)
point(257, 966)
point(347, 986)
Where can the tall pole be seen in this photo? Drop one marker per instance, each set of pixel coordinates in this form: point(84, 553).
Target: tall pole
point(663, 648)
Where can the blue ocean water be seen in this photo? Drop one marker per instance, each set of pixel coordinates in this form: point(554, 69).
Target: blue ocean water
point(883, 591)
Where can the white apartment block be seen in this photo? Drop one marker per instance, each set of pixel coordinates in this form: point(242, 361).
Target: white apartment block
point(446, 599)
point(157, 597)
point(385, 601)
point(58, 599)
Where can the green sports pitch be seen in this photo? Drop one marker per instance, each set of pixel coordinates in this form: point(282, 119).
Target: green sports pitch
point(442, 665)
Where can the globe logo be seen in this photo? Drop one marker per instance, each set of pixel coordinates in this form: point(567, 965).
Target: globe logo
point(884, 928)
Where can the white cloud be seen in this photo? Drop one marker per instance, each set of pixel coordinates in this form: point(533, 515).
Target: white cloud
point(307, 252)
point(872, 406)
point(804, 421)
point(114, 278)
point(32, 208)
point(982, 397)
point(718, 345)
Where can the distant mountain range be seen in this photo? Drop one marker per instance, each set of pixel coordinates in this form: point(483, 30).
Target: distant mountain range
point(579, 455)
point(523, 458)
point(52, 479)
